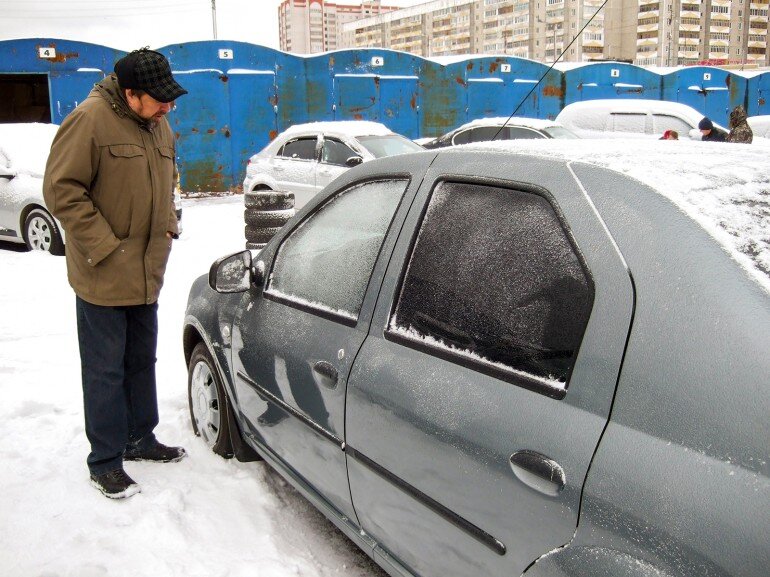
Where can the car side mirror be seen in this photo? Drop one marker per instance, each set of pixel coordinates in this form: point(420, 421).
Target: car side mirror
point(354, 161)
point(234, 273)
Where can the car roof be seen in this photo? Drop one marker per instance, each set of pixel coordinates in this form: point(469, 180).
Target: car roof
point(536, 123)
point(341, 128)
point(722, 186)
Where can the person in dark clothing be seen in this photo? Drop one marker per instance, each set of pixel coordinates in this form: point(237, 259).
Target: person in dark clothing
point(708, 132)
point(109, 180)
point(740, 131)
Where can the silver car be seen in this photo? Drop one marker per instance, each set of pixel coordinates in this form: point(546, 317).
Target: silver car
point(24, 217)
point(306, 157)
point(500, 128)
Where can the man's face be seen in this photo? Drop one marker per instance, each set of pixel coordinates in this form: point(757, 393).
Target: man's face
point(147, 107)
point(705, 132)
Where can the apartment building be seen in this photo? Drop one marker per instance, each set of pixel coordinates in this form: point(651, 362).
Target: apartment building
point(646, 32)
point(311, 26)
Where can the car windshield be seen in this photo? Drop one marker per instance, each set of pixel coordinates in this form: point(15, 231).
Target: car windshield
point(388, 145)
point(559, 132)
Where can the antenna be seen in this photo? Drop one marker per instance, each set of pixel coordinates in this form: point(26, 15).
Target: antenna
point(555, 60)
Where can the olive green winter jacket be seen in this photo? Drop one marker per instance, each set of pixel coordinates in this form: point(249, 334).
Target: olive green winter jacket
point(109, 180)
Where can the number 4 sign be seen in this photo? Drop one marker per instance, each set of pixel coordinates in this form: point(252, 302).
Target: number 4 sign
point(46, 52)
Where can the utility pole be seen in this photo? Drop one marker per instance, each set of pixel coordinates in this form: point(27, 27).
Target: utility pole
point(214, 16)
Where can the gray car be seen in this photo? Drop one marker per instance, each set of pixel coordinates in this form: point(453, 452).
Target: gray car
point(500, 360)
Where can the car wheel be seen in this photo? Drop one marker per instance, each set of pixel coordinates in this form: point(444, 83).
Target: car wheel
point(208, 403)
point(269, 199)
point(259, 234)
point(41, 232)
point(266, 219)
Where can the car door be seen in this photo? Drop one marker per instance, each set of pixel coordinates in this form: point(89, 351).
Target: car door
point(293, 343)
point(480, 394)
point(294, 168)
point(334, 157)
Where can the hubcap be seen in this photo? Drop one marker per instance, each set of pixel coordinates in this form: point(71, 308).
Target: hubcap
point(39, 234)
point(204, 400)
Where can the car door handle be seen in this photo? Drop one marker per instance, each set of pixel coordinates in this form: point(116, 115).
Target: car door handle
point(325, 375)
point(538, 472)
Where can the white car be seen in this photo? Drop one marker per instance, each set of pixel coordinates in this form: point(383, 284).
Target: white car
point(306, 157)
point(24, 217)
point(629, 118)
point(760, 126)
point(500, 128)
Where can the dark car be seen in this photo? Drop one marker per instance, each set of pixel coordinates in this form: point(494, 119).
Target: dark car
point(502, 128)
point(505, 360)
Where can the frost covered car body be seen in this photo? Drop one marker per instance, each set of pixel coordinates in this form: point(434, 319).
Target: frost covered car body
point(532, 358)
point(306, 157)
point(629, 118)
point(502, 128)
point(24, 217)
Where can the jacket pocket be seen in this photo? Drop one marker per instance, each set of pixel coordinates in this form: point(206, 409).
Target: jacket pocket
point(126, 150)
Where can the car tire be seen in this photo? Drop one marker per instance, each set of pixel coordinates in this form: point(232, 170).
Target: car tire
point(41, 232)
point(269, 199)
point(260, 235)
point(209, 406)
point(267, 218)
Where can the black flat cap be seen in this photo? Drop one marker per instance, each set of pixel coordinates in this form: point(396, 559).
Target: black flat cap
point(149, 71)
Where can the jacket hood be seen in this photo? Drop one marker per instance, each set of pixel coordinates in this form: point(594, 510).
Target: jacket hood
point(110, 90)
point(737, 116)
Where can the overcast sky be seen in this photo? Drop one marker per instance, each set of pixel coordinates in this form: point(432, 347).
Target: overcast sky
point(129, 24)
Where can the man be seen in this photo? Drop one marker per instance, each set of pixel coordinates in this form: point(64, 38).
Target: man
point(740, 131)
point(708, 132)
point(109, 180)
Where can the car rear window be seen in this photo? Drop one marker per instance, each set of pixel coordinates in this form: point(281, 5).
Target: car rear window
point(495, 281)
point(388, 145)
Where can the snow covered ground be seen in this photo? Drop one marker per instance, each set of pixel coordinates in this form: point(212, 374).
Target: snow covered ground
point(204, 516)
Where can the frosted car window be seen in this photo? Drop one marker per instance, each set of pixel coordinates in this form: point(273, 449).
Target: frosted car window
point(495, 282)
point(463, 137)
point(623, 122)
point(517, 132)
point(487, 133)
point(335, 152)
point(301, 148)
point(326, 262)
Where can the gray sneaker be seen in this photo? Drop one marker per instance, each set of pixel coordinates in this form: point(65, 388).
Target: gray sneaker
point(115, 484)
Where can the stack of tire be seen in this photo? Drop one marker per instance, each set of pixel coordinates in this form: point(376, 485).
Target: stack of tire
point(265, 213)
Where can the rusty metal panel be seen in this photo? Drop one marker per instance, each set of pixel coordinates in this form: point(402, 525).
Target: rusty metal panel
point(253, 117)
point(611, 80)
point(202, 129)
point(355, 97)
point(68, 89)
point(758, 94)
point(711, 91)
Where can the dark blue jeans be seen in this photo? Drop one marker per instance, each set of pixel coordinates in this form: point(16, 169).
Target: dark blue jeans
point(117, 357)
